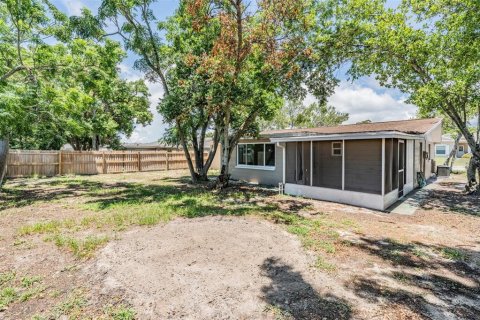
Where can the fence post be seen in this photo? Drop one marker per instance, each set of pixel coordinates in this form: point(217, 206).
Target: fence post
point(104, 167)
point(139, 162)
point(60, 162)
point(167, 156)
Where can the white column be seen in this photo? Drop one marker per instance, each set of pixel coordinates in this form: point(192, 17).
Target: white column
point(383, 166)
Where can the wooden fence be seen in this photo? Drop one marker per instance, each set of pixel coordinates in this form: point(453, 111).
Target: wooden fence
point(24, 163)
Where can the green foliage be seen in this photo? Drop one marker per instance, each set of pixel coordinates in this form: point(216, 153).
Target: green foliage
point(297, 115)
point(429, 50)
point(81, 248)
point(56, 87)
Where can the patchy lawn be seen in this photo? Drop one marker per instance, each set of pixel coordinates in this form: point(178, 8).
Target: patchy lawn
point(150, 245)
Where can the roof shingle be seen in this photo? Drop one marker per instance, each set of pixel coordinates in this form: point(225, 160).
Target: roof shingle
point(415, 126)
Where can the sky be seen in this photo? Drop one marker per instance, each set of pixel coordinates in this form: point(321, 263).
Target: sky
point(363, 99)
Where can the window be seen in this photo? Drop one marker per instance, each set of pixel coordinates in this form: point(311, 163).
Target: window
point(336, 148)
point(441, 150)
point(461, 149)
point(256, 155)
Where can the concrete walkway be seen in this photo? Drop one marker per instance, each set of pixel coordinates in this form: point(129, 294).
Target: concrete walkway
point(411, 202)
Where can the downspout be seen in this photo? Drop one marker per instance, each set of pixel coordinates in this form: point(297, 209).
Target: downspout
point(283, 146)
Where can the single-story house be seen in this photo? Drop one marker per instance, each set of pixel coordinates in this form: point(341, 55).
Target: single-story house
point(444, 147)
point(369, 165)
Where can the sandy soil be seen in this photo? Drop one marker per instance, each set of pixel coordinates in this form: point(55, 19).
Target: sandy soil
point(388, 267)
point(216, 268)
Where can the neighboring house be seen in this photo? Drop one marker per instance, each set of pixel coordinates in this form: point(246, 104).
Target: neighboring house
point(150, 146)
point(368, 165)
point(444, 147)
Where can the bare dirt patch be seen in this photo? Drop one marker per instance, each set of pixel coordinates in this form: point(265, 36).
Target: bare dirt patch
point(150, 245)
point(216, 268)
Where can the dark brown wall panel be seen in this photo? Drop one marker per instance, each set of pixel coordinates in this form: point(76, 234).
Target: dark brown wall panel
point(291, 162)
point(363, 166)
point(327, 169)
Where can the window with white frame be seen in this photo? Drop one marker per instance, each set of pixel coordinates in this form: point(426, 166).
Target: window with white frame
point(441, 150)
point(256, 154)
point(337, 148)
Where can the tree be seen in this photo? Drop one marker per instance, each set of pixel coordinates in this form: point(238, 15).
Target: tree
point(260, 56)
point(228, 64)
point(57, 88)
point(429, 50)
point(136, 24)
point(297, 115)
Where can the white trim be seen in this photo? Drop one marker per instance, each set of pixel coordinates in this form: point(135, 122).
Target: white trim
point(361, 199)
point(433, 128)
point(343, 164)
point(349, 136)
point(284, 147)
point(243, 166)
point(256, 167)
point(383, 166)
point(337, 148)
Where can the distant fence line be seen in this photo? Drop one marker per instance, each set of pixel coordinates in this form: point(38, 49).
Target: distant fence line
point(25, 163)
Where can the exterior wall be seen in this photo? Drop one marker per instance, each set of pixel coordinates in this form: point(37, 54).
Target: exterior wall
point(259, 176)
point(361, 199)
point(409, 167)
point(327, 169)
point(363, 165)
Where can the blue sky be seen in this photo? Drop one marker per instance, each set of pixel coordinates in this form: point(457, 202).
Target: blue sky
point(362, 99)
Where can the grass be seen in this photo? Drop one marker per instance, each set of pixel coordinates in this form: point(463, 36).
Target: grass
point(7, 296)
point(13, 288)
point(453, 254)
point(81, 248)
point(121, 312)
point(115, 206)
point(324, 265)
point(459, 162)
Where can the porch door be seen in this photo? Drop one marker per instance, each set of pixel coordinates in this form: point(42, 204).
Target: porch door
point(298, 162)
point(401, 166)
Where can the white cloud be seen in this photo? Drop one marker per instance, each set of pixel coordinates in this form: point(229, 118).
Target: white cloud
point(128, 73)
point(74, 7)
point(365, 103)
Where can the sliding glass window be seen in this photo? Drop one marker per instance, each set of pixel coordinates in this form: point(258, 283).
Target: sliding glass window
point(256, 154)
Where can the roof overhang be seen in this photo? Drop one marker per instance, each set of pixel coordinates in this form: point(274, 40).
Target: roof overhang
point(350, 136)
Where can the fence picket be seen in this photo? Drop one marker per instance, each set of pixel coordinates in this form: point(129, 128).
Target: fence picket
point(24, 163)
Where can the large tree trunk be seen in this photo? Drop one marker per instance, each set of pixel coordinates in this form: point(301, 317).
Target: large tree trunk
point(472, 185)
point(224, 177)
point(3, 159)
point(453, 154)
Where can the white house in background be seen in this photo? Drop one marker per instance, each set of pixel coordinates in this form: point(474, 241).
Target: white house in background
point(443, 148)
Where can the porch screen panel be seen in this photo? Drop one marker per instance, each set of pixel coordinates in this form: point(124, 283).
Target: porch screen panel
point(290, 162)
point(395, 165)
point(306, 162)
point(363, 165)
point(388, 165)
point(327, 168)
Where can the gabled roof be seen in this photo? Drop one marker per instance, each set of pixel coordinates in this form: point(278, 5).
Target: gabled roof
point(415, 126)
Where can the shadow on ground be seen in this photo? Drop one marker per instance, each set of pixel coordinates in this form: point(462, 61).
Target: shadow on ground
point(292, 297)
point(450, 200)
point(435, 282)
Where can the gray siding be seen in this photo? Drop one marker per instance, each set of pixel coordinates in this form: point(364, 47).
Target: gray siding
point(327, 169)
point(267, 177)
point(363, 166)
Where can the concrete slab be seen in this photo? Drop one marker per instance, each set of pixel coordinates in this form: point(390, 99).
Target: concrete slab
point(409, 204)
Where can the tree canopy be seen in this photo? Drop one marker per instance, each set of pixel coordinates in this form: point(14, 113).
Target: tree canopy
point(429, 50)
point(295, 114)
point(56, 87)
